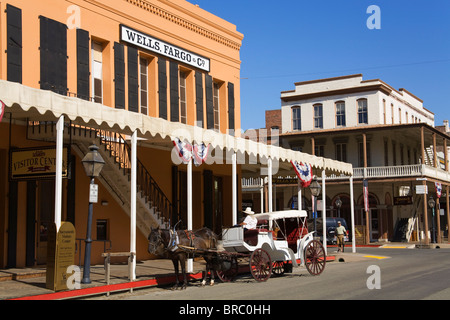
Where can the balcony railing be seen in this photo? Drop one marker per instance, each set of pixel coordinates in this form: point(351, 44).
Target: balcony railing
point(417, 170)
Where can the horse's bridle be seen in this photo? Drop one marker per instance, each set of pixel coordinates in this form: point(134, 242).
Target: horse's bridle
point(154, 245)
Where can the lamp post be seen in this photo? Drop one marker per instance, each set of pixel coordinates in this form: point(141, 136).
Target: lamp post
point(93, 164)
point(431, 204)
point(338, 203)
point(315, 191)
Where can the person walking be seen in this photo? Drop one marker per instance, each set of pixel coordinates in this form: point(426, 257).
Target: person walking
point(340, 233)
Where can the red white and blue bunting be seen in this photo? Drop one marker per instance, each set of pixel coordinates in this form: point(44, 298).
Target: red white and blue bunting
point(2, 110)
point(187, 151)
point(304, 172)
point(438, 189)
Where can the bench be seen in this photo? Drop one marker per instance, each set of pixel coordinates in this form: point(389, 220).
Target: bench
point(107, 256)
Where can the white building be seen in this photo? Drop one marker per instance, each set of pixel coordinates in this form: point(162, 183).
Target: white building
point(390, 139)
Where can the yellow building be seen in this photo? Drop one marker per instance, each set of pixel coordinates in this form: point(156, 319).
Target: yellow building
point(133, 77)
point(167, 60)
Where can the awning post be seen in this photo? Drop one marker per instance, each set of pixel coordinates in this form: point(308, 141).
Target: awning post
point(352, 212)
point(324, 211)
point(190, 265)
point(58, 173)
point(269, 183)
point(234, 187)
point(133, 205)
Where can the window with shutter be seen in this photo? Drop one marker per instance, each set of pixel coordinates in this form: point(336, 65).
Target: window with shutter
point(133, 81)
point(14, 44)
point(83, 64)
point(53, 55)
point(119, 75)
point(162, 85)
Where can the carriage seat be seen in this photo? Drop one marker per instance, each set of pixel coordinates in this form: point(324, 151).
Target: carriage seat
point(251, 237)
point(296, 234)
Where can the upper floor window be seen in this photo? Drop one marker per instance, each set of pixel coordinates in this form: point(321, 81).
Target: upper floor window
point(183, 112)
point(362, 112)
point(97, 71)
point(340, 114)
point(216, 105)
point(143, 86)
point(296, 118)
point(318, 116)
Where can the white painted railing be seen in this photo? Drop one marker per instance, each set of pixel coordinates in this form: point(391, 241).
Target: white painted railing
point(417, 170)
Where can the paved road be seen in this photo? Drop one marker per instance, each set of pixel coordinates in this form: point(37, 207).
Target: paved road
point(371, 274)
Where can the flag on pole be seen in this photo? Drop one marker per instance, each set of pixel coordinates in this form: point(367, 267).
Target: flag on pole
point(304, 172)
point(366, 194)
point(438, 189)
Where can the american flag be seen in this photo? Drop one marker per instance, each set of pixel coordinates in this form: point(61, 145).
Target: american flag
point(366, 194)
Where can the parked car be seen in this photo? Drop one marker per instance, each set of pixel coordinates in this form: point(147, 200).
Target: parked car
point(332, 224)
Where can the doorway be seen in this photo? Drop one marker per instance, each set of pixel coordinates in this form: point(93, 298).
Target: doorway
point(45, 213)
point(218, 205)
point(373, 223)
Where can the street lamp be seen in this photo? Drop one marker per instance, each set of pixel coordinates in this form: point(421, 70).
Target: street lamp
point(338, 203)
point(431, 204)
point(93, 164)
point(315, 191)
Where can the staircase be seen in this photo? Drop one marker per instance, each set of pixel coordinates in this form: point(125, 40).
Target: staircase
point(153, 208)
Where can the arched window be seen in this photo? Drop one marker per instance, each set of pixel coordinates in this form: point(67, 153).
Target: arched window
point(340, 114)
point(362, 111)
point(318, 116)
point(296, 119)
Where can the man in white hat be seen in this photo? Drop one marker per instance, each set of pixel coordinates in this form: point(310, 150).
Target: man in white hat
point(250, 221)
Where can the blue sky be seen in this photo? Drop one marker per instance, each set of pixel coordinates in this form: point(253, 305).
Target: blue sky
point(297, 40)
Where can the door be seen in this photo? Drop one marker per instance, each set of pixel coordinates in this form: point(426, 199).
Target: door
point(373, 223)
point(46, 209)
point(218, 205)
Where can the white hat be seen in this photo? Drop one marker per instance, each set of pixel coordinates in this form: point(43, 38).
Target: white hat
point(248, 210)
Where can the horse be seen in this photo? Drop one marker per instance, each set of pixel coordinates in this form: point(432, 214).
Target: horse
point(164, 243)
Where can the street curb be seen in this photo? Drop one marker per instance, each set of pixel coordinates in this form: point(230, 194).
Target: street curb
point(127, 286)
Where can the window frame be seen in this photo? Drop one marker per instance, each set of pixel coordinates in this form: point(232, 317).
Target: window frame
point(363, 114)
point(340, 114)
point(318, 118)
point(296, 112)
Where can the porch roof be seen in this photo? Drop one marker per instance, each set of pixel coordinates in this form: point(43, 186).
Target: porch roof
point(40, 105)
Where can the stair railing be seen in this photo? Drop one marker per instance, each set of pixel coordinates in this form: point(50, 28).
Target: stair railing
point(120, 150)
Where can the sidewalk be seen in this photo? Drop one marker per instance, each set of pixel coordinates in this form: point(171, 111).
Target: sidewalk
point(30, 283)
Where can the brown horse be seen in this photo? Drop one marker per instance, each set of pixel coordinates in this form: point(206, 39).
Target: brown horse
point(165, 243)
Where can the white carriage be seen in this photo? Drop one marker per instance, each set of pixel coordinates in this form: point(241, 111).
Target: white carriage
point(280, 241)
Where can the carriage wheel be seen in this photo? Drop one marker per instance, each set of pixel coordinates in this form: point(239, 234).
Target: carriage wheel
point(278, 268)
point(230, 274)
point(260, 265)
point(315, 258)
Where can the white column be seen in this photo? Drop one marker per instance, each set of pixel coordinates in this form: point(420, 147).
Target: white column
point(324, 211)
point(269, 183)
point(58, 173)
point(352, 211)
point(133, 184)
point(234, 187)
point(262, 195)
point(190, 265)
point(299, 195)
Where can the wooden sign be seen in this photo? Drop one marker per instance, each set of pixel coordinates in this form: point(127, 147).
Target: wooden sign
point(60, 255)
point(35, 163)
